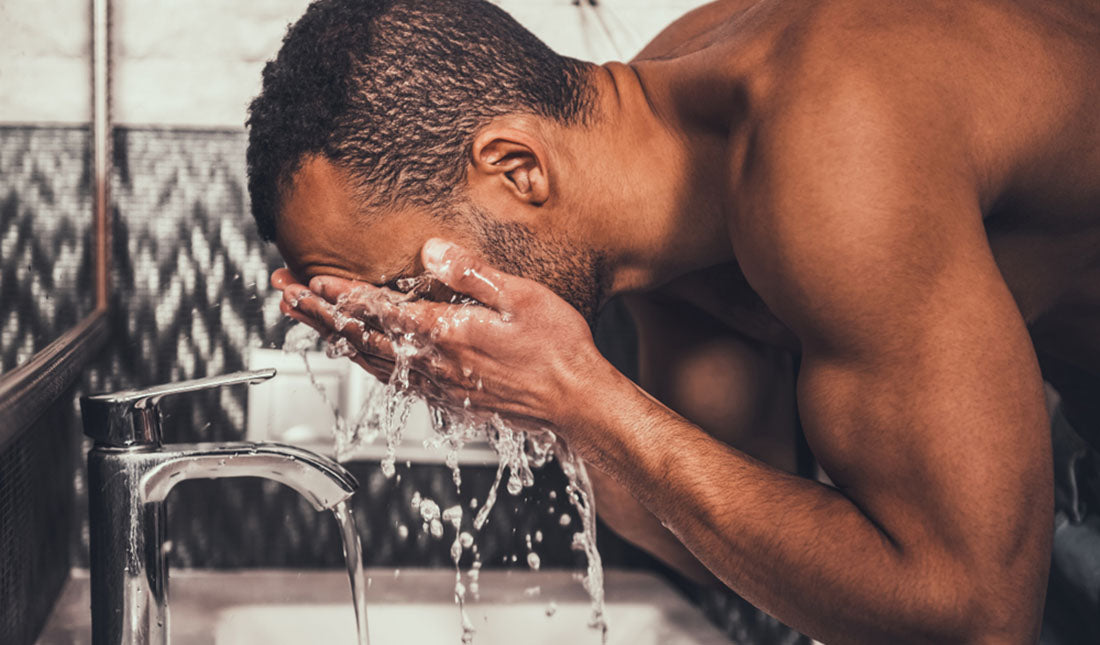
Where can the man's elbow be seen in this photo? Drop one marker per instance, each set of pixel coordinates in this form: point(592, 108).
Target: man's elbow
point(994, 607)
point(987, 622)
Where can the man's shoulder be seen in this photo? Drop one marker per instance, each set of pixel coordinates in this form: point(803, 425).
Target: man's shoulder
point(692, 25)
point(923, 78)
point(838, 127)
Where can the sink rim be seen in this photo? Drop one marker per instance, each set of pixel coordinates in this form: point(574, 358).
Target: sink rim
point(197, 595)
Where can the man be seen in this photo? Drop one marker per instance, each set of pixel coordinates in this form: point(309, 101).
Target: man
point(895, 205)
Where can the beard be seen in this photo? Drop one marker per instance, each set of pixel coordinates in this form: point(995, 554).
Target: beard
point(577, 275)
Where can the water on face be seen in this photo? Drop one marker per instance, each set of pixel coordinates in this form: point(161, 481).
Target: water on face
point(519, 450)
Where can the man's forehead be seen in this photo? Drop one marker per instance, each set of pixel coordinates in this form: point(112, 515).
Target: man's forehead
point(319, 190)
point(322, 229)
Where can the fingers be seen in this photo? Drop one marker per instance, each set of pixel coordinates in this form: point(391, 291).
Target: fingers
point(331, 287)
point(374, 343)
point(357, 299)
point(358, 311)
point(306, 302)
point(298, 316)
point(395, 312)
point(468, 274)
point(376, 367)
point(374, 351)
point(282, 278)
point(306, 307)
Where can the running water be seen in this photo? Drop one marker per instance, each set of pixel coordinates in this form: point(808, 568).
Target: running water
point(353, 555)
point(386, 413)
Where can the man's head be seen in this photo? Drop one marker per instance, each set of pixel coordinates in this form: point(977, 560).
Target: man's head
point(384, 122)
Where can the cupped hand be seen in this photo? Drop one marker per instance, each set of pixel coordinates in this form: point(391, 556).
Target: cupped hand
point(523, 352)
point(371, 350)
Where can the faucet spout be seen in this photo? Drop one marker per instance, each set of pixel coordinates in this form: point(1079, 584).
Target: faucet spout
point(321, 481)
point(127, 488)
point(131, 472)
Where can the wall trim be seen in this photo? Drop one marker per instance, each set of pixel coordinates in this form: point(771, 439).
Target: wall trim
point(28, 390)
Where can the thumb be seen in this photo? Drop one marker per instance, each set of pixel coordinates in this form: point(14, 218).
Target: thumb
point(466, 273)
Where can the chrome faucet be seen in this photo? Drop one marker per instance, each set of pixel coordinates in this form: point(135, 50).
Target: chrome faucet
point(130, 473)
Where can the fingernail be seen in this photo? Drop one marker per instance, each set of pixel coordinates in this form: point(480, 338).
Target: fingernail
point(317, 285)
point(434, 250)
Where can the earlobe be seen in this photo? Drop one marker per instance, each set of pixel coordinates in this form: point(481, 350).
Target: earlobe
point(516, 160)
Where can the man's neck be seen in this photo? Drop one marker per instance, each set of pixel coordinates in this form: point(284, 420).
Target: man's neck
point(670, 202)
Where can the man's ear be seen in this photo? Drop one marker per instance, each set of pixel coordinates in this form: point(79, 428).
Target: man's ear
point(515, 159)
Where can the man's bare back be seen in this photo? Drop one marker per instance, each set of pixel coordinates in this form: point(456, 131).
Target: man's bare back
point(1027, 83)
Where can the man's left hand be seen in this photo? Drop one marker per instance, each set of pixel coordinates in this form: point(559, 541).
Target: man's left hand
point(525, 353)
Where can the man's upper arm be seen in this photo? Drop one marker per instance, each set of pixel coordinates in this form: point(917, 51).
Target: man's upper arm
point(919, 390)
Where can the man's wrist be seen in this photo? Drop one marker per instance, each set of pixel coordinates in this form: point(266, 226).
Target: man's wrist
point(591, 408)
point(580, 391)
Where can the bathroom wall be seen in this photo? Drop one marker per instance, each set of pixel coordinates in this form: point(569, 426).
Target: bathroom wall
point(37, 519)
point(190, 289)
point(46, 260)
point(45, 192)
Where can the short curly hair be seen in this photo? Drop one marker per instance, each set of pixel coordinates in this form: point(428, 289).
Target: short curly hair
point(393, 91)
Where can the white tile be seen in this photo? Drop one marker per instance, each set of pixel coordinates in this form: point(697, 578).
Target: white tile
point(197, 63)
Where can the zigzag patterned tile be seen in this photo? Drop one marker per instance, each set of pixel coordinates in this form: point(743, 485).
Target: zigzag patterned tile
point(45, 233)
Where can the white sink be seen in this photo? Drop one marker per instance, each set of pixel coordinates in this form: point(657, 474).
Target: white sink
point(413, 607)
point(634, 624)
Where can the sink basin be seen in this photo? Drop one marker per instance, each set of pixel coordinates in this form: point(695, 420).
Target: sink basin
point(276, 607)
point(635, 624)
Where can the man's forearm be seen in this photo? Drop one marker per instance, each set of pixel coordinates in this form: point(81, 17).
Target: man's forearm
point(796, 548)
point(633, 522)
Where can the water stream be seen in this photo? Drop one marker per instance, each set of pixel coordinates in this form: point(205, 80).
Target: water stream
point(353, 556)
point(518, 450)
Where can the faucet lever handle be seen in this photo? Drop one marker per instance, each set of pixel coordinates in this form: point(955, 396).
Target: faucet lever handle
point(132, 417)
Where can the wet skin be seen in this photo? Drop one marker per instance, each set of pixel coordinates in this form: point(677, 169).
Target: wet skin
point(903, 199)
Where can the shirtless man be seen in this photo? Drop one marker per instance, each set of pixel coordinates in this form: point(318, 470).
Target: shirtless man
point(896, 205)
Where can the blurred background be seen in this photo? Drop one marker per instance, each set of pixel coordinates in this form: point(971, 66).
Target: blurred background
point(189, 297)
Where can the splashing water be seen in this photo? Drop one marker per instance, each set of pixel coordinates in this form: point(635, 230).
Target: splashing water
point(519, 450)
